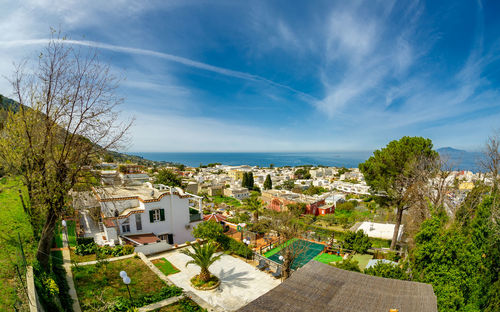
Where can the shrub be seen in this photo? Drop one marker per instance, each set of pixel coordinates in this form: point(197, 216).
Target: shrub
point(348, 264)
point(387, 270)
point(86, 249)
point(357, 241)
point(84, 240)
point(239, 248)
point(188, 305)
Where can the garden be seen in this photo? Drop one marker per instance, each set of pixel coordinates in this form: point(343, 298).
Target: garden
point(87, 250)
point(100, 286)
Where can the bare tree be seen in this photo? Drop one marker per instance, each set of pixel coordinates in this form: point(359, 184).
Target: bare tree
point(490, 163)
point(284, 224)
point(67, 118)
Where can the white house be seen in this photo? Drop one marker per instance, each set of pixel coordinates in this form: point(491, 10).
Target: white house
point(146, 214)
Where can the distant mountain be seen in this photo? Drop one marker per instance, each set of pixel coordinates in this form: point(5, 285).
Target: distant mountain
point(460, 159)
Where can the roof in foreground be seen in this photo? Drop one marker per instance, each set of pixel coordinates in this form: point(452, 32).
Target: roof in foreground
point(321, 287)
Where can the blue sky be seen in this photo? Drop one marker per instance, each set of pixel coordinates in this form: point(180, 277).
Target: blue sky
point(283, 75)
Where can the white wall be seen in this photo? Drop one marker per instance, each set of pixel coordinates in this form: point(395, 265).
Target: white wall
point(153, 248)
point(176, 219)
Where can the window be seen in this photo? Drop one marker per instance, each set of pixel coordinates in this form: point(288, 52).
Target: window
point(138, 222)
point(126, 226)
point(156, 215)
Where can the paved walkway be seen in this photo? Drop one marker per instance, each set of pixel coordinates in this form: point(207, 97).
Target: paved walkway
point(240, 281)
point(69, 274)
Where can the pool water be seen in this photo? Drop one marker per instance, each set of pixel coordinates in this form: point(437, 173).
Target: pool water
point(310, 250)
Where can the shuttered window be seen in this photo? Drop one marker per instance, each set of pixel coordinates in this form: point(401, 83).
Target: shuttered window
point(156, 215)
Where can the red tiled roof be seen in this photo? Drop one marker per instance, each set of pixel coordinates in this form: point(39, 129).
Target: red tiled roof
point(143, 238)
point(214, 217)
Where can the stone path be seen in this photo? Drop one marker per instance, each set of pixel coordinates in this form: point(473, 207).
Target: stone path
point(69, 274)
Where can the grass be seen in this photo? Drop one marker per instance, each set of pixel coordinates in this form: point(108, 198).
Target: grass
point(71, 227)
point(183, 305)
point(165, 266)
point(13, 222)
point(362, 259)
point(277, 249)
point(97, 283)
point(225, 199)
point(327, 258)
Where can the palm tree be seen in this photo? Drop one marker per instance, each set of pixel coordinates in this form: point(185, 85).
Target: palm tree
point(203, 256)
point(254, 204)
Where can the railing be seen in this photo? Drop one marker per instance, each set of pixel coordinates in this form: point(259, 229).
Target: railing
point(194, 217)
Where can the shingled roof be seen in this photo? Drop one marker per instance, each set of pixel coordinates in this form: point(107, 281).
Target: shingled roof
point(321, 287)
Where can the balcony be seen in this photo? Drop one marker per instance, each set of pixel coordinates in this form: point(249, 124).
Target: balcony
point(194, 215)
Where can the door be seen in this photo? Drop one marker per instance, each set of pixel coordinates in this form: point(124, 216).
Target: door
point(170, 239)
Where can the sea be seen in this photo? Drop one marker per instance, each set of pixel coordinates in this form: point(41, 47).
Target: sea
point(337, 159)
point(460, 160)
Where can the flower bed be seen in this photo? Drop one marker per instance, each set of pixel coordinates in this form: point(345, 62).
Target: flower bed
point(212, 283)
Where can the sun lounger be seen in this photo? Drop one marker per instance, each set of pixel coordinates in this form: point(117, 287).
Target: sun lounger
point(262, 265)
point(277, 274)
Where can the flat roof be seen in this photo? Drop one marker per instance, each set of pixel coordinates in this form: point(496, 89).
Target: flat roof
point(380, 230)
point(113, 192)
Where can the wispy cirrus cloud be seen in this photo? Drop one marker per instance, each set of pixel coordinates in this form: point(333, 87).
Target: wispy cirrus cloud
point(162, 55)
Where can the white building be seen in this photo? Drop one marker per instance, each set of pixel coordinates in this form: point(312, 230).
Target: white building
point(380, 230)
point(134, 212)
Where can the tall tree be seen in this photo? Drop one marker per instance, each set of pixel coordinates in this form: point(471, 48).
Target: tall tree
point(66, 119)
point(268, 183)
point(244, 180)
point(400, 171)
point(250, 181)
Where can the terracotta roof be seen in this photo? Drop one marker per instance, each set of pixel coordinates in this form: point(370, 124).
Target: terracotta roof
point(214, 217)
point(321, 287)
point(142, 239)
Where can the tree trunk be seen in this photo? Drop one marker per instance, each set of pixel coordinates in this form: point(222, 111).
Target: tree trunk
point(204, 274)
point(45, 243)
point(287, 268)
point(256, 216)
point(396, 227)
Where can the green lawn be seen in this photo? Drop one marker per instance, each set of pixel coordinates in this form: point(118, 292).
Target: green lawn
point(225, 199)
point(165, 266)
point(362, 259)
point(327, 258)
point(277, 249)
point(13, 222)
point(95, 284)
point(71, 227)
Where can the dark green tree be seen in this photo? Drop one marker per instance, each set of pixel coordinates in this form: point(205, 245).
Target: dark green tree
point(357, 241)
point(268, 183)
point(244, 180)
point(400, 170)
point(387, 270)
point(250, 181)
point(168, 177)
point(209, 230)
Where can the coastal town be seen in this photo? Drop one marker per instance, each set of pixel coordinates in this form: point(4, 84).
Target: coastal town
point(252, 156)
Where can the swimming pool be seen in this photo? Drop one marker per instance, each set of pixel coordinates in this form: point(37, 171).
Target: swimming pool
point(311, 250)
